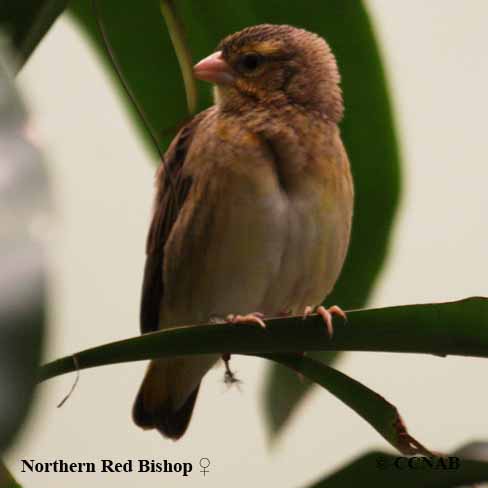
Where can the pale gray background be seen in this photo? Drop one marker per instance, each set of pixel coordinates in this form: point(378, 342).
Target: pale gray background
point(102, 181)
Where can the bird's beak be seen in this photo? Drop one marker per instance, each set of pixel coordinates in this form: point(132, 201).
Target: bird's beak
point(214, 69)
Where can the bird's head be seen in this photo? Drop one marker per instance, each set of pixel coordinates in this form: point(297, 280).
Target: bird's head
point(274, 65)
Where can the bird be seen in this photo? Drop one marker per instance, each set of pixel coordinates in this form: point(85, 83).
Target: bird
point(253, 207)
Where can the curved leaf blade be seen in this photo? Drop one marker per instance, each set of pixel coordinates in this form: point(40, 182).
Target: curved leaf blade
point(378, 412)
point(459, 327)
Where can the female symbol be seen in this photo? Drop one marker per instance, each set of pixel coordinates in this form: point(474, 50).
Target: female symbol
point(204, 463)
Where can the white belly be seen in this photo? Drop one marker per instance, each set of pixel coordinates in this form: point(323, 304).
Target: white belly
point(278, 254)
point(268, 254)
point(310, 251)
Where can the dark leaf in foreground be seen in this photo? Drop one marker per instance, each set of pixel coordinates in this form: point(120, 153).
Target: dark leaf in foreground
point(26, 23)
point(23, 203)
point(382, 470)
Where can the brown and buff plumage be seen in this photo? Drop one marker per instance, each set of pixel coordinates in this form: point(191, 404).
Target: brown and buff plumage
point(262, 213)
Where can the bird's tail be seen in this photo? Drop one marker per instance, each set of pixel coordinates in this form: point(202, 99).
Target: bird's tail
point(153, 408)
point(167, 396)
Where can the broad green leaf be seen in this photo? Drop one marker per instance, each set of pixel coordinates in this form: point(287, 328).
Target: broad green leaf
point(143, 48)
point(27, 21)
point(382, 470)
point(23, 200)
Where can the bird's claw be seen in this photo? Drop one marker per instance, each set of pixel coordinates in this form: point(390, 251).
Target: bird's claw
point(326, 314)
point(250, 318)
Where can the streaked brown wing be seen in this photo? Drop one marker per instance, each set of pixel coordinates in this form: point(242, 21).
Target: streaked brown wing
point(170, 196)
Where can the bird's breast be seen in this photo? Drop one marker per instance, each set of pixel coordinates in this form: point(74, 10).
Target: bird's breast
point(264, 230)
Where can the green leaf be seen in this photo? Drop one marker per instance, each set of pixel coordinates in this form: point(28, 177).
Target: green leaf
point(447, 328)
point(283, 391)
point(23, 199)
point(380, 469)
point(27, 21)
point(378, 412)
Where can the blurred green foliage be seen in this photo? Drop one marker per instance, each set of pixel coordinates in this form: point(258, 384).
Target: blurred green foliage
point(23, 198)
point(27, 21)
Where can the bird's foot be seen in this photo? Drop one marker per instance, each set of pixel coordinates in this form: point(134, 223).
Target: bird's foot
point(250, 318)
point(326, 314)
point(229, 375)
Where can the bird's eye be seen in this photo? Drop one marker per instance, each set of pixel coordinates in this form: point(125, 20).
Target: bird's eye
point(250, 62)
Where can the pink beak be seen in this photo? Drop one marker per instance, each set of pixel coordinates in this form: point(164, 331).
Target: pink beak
point(214, 69)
